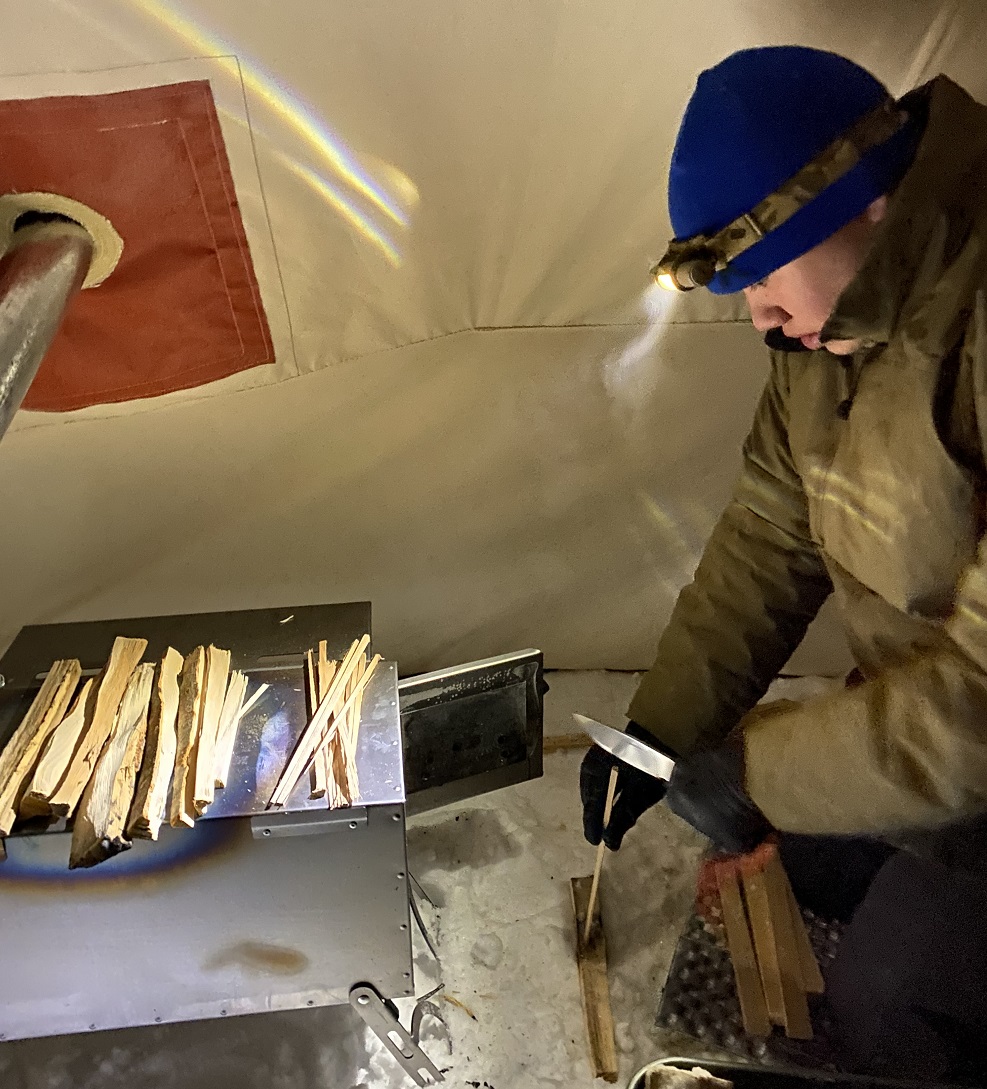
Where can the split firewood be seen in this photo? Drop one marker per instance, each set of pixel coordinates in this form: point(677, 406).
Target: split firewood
point(98, 833)
point(101, 714)
point(149, 808)
point(56, 754)
point(189, 721)
point(233, 710)
point(20, 756)
point(324, 724)
point(214, 695)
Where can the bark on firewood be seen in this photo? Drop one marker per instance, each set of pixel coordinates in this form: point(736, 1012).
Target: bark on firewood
point(124, 657)
point(56, 755)
point(214, 694)
point(150, 804)
point(20, 755)
point(189, 722)
point(98, 833)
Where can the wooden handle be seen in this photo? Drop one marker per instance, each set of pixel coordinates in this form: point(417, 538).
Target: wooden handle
point(591, 903)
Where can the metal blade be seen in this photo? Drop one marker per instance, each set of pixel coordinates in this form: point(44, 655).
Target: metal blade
point(628, 749)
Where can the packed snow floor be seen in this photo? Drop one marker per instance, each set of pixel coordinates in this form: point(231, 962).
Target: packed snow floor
point(497, 870)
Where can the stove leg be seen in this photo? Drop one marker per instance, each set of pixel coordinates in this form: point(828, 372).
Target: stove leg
point(381, 1017)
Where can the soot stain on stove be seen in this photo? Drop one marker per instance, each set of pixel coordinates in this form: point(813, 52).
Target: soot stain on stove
point(275, 960)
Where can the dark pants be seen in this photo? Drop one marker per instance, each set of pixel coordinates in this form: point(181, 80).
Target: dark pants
point(907, 990)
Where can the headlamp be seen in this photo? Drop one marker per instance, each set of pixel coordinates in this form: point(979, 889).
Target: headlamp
point(693, 262)
point(683, 273)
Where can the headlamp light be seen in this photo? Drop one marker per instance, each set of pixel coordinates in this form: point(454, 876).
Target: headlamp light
point(684, 271)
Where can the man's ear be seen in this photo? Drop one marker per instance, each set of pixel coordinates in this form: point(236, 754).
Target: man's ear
point(877, 209)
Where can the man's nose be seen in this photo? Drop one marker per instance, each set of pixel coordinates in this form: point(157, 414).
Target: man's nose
point(765, 316)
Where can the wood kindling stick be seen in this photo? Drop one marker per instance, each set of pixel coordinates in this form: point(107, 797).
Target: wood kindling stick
point(182, 809)
point(20, 756)
point(213, 699)
point(318, 769)
point(100, 715)
point(324, 762)
point(250, 704)
point(340, 717)
point(611, 787)
point(150, 804)
point(55, 756)
point(315, 732)
point(351, 740)
point(98, 833)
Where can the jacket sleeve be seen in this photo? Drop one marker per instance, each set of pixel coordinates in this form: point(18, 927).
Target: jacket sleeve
point(760, 582)
point(905, 750)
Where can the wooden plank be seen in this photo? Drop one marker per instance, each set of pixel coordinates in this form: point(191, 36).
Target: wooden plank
point(320, 729)
point(749, 989)
point(123, 660)
point(21, 753)
point(591, 959)
point(149, 808)
point(759, 913)
point(190, 694)
point(56, 755)
point(214, 695)
point(797, 1022)
point(233, 710)
point(812, 978)
point(565, 742)
point(98, 832)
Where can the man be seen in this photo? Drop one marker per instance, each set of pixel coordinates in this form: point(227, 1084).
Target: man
point(857, 229)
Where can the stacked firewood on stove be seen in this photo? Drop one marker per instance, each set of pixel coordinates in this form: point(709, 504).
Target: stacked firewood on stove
point(143, 743)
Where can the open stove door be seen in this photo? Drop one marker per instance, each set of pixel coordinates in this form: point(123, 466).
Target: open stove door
point(472, 728)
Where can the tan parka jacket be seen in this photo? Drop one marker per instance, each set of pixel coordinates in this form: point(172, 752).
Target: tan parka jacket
point(865, 478)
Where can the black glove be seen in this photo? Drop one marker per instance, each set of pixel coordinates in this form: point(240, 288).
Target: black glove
point(635, 793)
point(707, 790)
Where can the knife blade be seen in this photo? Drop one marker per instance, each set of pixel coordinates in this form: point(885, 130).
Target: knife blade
point(627, 748)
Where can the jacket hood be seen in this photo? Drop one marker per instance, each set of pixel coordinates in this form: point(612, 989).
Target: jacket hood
point(928, 256)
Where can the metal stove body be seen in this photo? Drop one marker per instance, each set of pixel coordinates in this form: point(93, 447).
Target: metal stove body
point(252, 909)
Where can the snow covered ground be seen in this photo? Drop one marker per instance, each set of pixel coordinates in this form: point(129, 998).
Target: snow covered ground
point(497, 869)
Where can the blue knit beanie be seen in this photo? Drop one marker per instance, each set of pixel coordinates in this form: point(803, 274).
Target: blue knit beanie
point(753, 121)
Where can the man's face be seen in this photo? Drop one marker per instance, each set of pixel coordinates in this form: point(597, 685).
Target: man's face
point(800, 296)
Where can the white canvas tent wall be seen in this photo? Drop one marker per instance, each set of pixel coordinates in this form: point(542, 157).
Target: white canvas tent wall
point(472, 419)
